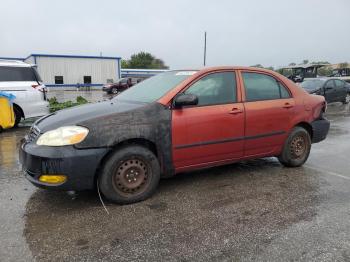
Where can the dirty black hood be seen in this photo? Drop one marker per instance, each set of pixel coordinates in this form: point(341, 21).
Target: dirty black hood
point(114, 122)
point(82, 114)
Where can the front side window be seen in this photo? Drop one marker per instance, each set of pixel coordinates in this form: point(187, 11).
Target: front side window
point(58, 80)
point(339, 83)
point(330, 84)
point(263, 87)
point(214, 89)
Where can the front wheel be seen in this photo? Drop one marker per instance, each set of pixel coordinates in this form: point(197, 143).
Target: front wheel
point(114, 91)
point(296, 149)
point(130, 175)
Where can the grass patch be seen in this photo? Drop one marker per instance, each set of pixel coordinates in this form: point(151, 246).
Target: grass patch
point(55, 105)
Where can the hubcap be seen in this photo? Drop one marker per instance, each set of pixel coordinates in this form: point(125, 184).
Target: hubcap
point(131, 177)
point(298, 147)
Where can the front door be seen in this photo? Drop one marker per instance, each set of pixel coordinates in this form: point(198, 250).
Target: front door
point(213, 130)
point(269, 107)
point(330, 91)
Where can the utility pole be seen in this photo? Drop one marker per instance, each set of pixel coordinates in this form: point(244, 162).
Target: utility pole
point(205, 47)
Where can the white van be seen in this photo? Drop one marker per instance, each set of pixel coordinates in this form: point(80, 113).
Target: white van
point(23, 81)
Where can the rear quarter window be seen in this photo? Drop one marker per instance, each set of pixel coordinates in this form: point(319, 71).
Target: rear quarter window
point(10, 73)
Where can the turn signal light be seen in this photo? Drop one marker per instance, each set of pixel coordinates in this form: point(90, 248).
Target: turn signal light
point(53, 179)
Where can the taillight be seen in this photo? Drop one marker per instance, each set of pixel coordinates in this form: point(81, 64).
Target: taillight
point(39, 88)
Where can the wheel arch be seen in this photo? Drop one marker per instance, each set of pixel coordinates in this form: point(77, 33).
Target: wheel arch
point(307, 127)
point(19, 108)
point(132, 141)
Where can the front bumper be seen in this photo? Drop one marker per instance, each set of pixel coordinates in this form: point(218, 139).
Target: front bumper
point(106, 88)
point(320, 130)
point(79, 165)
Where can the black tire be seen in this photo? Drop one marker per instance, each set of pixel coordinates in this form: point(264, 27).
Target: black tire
point(296, 149)
point(18, 115)
point(130, 175)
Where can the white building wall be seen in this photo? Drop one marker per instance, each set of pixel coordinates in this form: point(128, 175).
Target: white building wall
point(73, 70)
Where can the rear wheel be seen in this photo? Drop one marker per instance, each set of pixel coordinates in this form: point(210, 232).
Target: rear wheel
point(296, 149)
point(130, 175)
point(18, 115)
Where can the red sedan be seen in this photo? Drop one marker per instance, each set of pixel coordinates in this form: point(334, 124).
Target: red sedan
point(176, 121)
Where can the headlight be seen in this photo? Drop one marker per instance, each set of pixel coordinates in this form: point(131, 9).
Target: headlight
point(63, 136)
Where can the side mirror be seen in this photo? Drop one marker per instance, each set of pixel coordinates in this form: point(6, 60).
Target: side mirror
point(185, 100)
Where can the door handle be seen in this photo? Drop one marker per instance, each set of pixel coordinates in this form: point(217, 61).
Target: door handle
point(287, 105)
point(235, 111)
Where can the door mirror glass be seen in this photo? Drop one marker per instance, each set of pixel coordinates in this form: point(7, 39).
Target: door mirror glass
point(185, 100)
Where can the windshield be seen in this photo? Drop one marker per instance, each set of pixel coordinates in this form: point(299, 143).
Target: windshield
point(155, 87)
point(312, 84)
point(11, 73)
point(120, 80)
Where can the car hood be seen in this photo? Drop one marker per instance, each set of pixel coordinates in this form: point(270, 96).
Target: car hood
point(84, 113)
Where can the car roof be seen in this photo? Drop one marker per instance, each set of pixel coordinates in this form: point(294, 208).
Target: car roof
point(14, 63)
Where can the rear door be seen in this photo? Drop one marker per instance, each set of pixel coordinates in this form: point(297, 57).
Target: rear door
point(269, 107)
point(213, 130)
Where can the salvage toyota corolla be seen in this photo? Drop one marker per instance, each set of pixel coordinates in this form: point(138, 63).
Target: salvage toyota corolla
point(173, 122)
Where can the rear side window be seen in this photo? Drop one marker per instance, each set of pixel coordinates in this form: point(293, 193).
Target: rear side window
point(214, 89)
point(263, 87)
point(10, 73)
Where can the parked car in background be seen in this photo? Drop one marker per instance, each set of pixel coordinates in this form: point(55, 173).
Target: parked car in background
point(23, 81)
point(117, 87)
point(333, 89)
point(173, 122)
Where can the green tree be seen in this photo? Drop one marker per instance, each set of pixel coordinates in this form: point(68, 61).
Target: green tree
point(325, 70)
point(124, 63)
point(144, 60)
point(305, 61)
point(292, 64)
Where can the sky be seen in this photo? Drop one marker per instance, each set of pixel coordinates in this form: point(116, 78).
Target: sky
point(267, 32)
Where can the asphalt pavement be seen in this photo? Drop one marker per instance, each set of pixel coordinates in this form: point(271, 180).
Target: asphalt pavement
point(250, 211)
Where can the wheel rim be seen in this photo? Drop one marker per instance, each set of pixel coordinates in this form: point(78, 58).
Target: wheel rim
point(114, 91)
point(131, 177)
point(298, 147)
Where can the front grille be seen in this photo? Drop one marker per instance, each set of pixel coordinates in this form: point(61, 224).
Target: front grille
point(34, 132)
